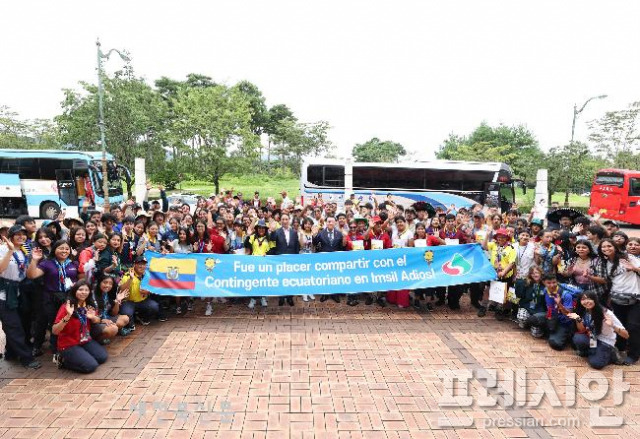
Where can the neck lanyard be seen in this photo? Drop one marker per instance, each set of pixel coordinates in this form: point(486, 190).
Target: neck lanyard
point(62, 275)
point(21, 263)
point(84, 326)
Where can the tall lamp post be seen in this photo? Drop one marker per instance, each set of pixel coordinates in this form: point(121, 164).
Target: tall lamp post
point(103, 141)
point(576, 113)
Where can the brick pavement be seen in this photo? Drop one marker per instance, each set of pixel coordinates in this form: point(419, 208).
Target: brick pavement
point(314, 371)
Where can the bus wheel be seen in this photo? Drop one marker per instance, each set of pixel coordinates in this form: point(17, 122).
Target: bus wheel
point(49, 210)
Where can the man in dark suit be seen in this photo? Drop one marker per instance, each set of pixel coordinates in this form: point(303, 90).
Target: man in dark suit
point(329, 239)
point(286, 243)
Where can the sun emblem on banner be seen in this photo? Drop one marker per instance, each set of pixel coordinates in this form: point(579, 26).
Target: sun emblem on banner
point(428, 256)
point(210, 264)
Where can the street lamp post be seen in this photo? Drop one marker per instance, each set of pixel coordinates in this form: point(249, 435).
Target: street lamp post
point(103, 141)
point(576, 113)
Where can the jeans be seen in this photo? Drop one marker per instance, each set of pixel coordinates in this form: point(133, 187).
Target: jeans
point(148, 308)
point(48, 308)
point(599, 356)
point(537, 319)
point(629, 316)
point(84, 358)
point(12, 326)
point(560, 336)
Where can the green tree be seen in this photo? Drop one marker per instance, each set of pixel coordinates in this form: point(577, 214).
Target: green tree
point(275, 116)
point(133, 114)
point(209, 122)
point(617, 135)
point(519, 145)
point(376, 150)
point(16, 133)
point(295, 140)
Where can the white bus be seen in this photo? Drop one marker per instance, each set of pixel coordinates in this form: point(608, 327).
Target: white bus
point(41, 183)
point(439, 183)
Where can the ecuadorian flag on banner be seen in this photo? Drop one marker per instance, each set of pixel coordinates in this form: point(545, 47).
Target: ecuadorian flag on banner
point(177, 274)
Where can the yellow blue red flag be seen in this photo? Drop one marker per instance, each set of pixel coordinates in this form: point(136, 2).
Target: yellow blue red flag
point(177, 274)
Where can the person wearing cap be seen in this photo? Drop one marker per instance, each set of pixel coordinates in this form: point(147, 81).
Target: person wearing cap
point(536, 225)
point(13, 270)
point(258, 244)
point(139, 302)
point(503, 258)
point(611, 227)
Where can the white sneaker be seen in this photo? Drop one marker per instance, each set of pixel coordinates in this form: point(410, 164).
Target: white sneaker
point(252, 303)
point(263, 302)
point(305, 298)
point(311, 297)
point(209, 309)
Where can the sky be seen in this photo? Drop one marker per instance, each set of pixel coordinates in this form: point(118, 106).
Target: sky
point(407, 71)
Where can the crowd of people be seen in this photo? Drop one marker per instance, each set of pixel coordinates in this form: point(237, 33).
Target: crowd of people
point(575, 282)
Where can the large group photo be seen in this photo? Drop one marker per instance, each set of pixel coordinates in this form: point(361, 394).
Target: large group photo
point(338, 220)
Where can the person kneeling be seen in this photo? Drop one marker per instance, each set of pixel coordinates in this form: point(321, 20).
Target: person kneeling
point(139, 301)
point(76, 350)
point(597, 329)
point(559, 303)
point(111, 323)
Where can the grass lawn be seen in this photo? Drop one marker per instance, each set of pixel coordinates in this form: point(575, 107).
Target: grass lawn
point(267, 186)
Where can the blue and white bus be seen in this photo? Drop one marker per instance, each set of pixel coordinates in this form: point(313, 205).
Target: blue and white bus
point(41, 183)
point(440, 183)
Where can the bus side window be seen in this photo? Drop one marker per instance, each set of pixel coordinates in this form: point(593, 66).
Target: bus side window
point(634, 187)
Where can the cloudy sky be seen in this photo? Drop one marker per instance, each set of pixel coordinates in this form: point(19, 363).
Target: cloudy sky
point(407, 71)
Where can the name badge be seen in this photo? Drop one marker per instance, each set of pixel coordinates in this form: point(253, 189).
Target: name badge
point(377, 244)
point(593, 342)
point(452, 241)
point(420, 243)
point(357, 245)
point(68, 283)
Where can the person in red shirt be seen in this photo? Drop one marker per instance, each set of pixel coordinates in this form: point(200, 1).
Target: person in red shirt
point(421, 239)
point(377, 239)
point(450, 231)
point(76, 350)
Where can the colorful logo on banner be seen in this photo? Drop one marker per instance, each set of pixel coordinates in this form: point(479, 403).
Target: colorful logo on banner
point(457, 266)
point(177, 274)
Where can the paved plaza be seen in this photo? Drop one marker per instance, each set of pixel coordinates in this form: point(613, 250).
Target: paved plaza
point(317, 370)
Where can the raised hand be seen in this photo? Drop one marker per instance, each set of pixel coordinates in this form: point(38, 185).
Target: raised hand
point(573, 316)
point(607, 320)
point(9, 244)
point(69, 308)
point(36, 254)
point(114, 260)
point(122, 294)
point(91, 313)
point(96, 255)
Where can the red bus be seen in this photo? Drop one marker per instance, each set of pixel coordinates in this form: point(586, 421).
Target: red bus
point(615, 194)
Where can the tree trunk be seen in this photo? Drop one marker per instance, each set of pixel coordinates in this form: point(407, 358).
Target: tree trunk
point(269, 150)
point(216, 178)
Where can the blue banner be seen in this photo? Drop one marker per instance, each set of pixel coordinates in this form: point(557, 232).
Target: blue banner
point(214, 275)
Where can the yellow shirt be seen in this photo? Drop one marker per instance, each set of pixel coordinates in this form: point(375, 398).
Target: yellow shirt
point(504, 256)
point(134, 288)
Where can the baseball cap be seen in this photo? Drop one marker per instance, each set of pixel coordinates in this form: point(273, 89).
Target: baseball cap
point(140, 260)
point(15, 229)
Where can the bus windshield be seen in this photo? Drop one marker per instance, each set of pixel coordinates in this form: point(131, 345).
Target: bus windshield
point(610, 180)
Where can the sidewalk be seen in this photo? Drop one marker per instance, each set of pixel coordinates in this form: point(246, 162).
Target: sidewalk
point(312, 371)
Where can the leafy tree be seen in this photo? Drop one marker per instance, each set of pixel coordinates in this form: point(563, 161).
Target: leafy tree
point(295, 140)
point(617, 135)
point(25, 134)
point(133, 114)
point(276, 115)
point(209, 122)
point(521, 149)
point(376, 150)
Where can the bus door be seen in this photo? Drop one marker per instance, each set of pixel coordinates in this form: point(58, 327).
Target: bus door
point(67, 190)
point(632, 207)
point(492, 194)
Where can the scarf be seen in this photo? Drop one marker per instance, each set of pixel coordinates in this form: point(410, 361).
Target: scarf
point(21, 263)
point(62, 274)
point(84, 325)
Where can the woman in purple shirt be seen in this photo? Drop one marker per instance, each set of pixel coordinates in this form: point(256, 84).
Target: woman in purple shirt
point(58, 274)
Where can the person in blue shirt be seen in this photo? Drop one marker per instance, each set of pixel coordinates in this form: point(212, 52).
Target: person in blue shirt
point(559, 303)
